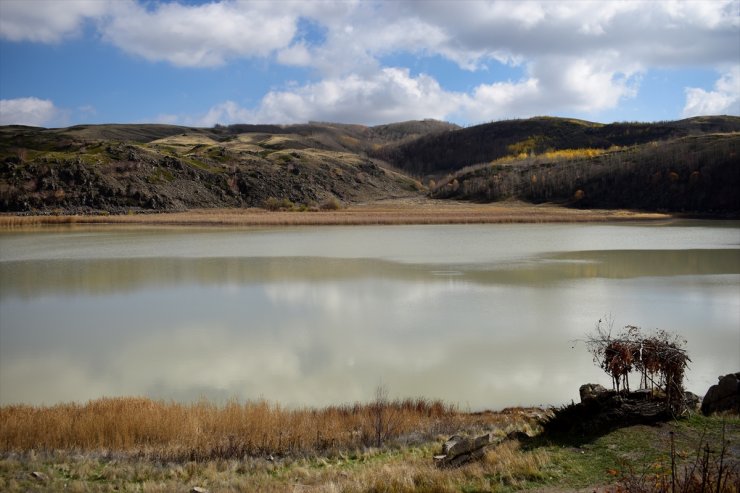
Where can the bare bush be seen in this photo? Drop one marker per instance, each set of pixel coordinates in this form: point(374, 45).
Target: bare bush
point(660, 359)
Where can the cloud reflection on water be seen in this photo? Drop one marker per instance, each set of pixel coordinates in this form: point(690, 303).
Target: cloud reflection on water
point(322, 330)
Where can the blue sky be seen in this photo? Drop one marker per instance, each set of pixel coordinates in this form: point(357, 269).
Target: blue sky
point(64, 62)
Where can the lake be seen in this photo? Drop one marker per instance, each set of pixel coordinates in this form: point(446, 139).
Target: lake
point(485, 316)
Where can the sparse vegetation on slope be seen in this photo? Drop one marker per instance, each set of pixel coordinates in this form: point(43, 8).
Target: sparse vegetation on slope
point(449, 152)
point(686, 165)
point(696, 173)
point(118, 168)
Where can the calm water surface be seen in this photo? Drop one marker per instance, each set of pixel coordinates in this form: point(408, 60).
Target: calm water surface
point(484, 316)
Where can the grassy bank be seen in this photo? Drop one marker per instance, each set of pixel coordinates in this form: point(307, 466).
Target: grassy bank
point(173, 431)
point(400, 211)
point(129, 444)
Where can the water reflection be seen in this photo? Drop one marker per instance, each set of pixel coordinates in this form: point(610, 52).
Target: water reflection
point(320, 330)
point(30, 278)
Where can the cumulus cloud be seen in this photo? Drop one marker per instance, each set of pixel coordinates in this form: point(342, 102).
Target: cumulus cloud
point(224, 113)
point(576, 56)
point(47, 21)
point(724, 99)
point(201, 35)
point(390, 94)
point(27, 111)
point(553, 86)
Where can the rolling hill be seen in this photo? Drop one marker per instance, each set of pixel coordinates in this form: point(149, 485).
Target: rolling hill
point(698, 173)
point(119, 168)
point(686, 165)
point(444, 153)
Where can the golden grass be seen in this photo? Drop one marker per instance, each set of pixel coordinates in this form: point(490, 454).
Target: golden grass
point(401, 211)
point(204, 431)
point(124, 443)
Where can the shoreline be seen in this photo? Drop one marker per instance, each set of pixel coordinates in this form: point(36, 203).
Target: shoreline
point(408, 211)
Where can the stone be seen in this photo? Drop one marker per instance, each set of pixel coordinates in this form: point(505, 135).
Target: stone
point(691, 401)
point(40, 476)
point(198, 489)
point(725, 396)
point(457, 450)
point(591, 391)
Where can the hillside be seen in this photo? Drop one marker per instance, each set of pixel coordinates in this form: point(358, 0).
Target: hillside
point(686, 165)
point(451, 151)
point(118, 168)
point(694, 173)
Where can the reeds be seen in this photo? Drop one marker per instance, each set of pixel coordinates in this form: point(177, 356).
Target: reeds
point(423, 212)
point(172, 431)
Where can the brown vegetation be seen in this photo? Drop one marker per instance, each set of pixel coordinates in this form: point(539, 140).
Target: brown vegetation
point(402, 211)
point(660, 359)
point(172, 431)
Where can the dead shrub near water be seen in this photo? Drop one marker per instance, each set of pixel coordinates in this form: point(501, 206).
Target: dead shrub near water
point(660, 359)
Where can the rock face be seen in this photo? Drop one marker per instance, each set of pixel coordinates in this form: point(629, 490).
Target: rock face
point(591, 391)
point(725, 396)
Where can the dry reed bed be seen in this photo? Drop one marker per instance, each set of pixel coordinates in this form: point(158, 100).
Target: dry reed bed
point(173, 431)
point(422, 213)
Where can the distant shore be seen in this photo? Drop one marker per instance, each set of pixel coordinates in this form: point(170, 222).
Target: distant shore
point(414, 210)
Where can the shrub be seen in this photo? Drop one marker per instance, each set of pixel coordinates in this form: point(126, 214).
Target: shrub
point(330, 204)
point(273, 204)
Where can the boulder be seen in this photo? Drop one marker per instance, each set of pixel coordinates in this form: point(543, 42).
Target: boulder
point(691, 401)
point(591, 391)
point(725, 396)
point(458, 450)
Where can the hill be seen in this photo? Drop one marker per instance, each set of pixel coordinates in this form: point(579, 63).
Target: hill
point(694, 173)
point(439, 154)
point(686, 165)
point(117, 168)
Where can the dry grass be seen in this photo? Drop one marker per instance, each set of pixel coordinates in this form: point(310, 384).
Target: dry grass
point(407, 470)
point(204, 431)
point(136, 444)
point(400, 211)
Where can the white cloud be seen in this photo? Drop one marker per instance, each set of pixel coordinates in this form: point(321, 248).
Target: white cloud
point(224, 113)
point(390, 94)
point(297, 55)
point(551, 87)
point(393, 94)
point(47, 21)
point(201, 35)
point(578, 56)
point(724, 99)
point(27, 111)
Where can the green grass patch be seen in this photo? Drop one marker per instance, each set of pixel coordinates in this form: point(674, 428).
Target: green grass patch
point(160, 175)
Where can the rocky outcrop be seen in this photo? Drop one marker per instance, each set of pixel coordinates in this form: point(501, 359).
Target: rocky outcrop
point(121, 177)
point(725, 396)
point(590, 391)
point(459, 450)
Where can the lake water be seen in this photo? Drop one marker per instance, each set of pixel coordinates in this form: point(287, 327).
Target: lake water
point(485, 316)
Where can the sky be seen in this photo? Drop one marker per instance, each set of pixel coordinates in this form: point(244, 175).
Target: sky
point(201, 63)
